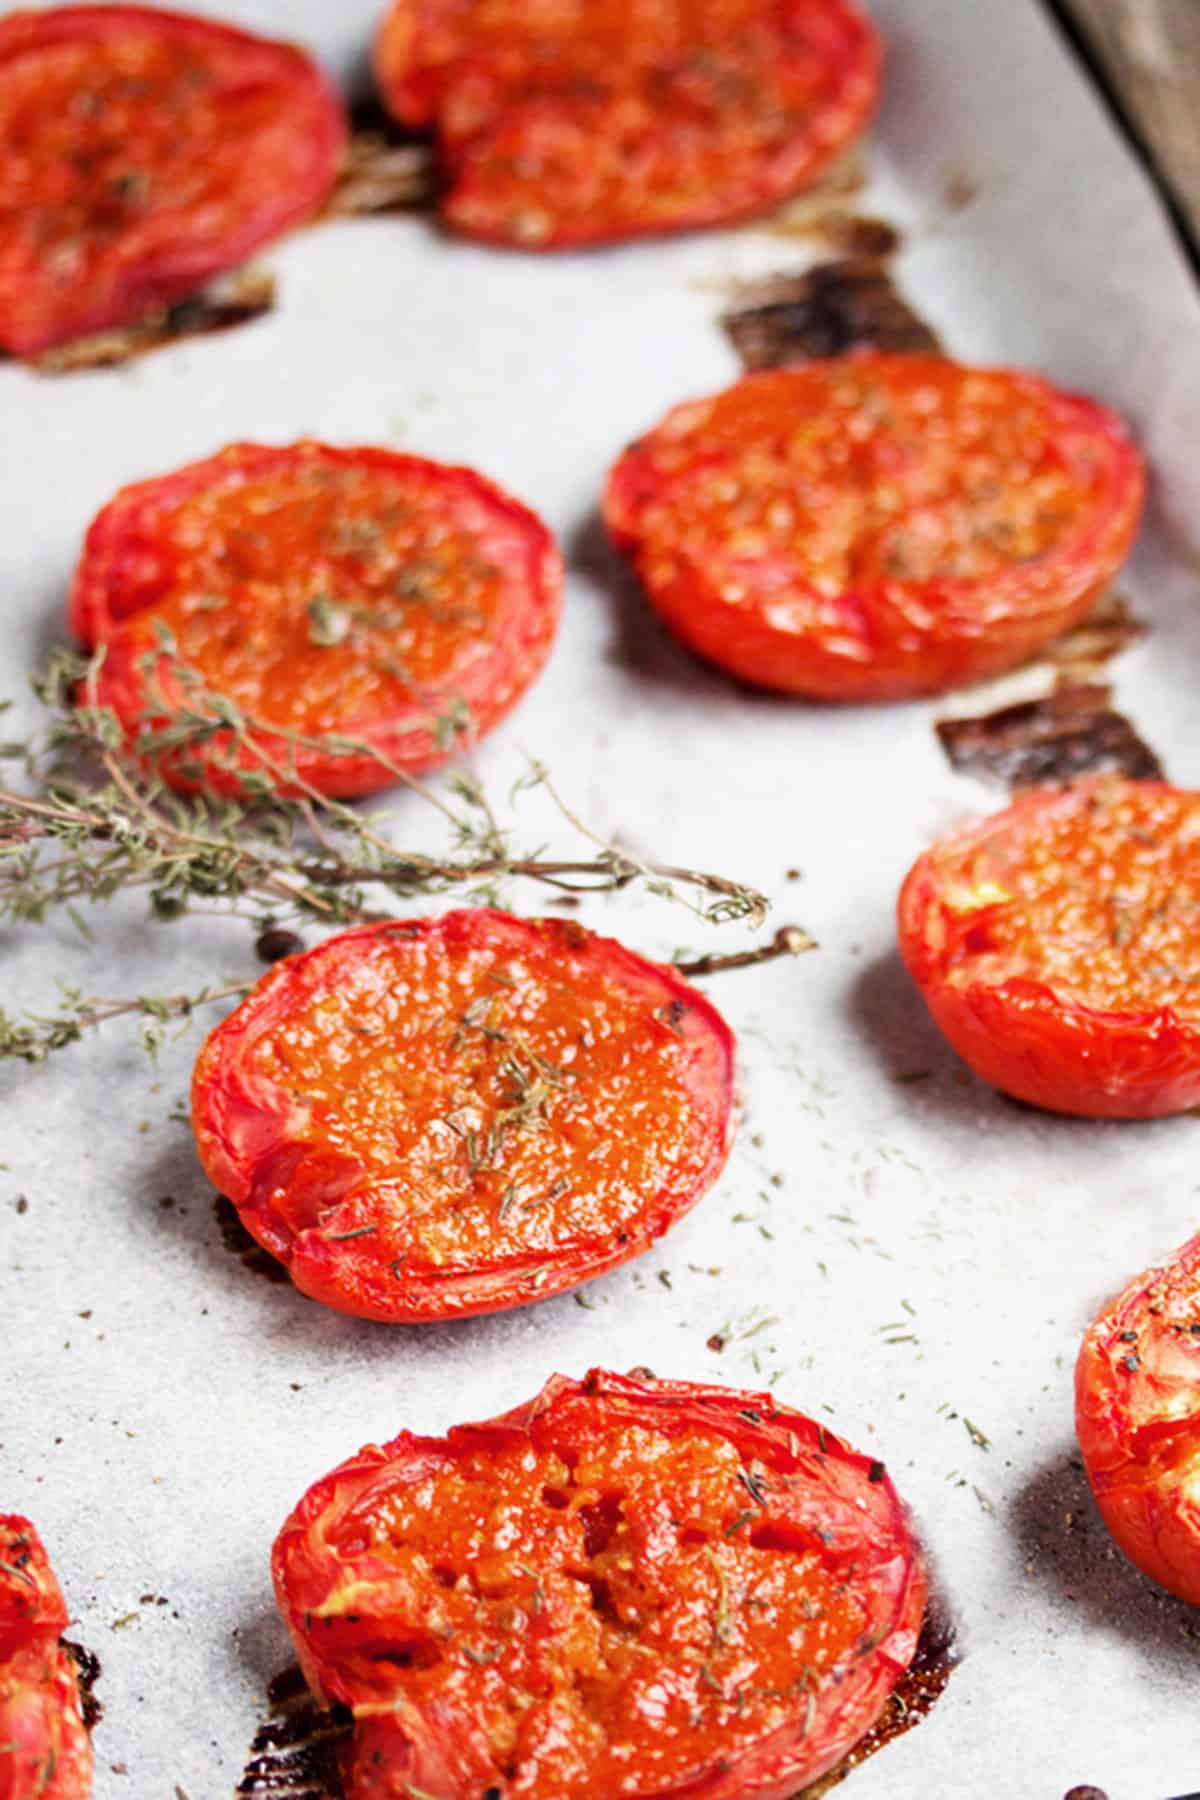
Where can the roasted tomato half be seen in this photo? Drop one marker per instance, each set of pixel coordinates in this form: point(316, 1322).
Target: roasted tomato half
point(626, 1587)
point(446, 1116)
point(328, 594)
point(566, 122)
point(1137, 1412)
point(876, 526)
point(45, 1752)
point(142, 153)
point(1057, 945)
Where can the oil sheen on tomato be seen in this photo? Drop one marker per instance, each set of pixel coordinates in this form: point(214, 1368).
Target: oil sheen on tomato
point(573, 121)
point(460, 1114)
point(324, 591)
point(1058, 946)
point(143, 152)
point(628, 1587)
point(876, 525)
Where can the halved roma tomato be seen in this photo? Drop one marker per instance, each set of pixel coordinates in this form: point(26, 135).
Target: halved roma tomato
point(635, 1587)
point(876, 526)
point(565, 122)
point(1057, 945)
point(1137, 1413)
point(438, 1117)
point(45, 1751)
point(324, 592)
point(142, 153)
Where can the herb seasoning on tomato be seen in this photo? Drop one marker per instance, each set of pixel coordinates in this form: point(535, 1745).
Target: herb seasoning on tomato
point(1137, 1413)
point(1057, 945)
point(877, 525)
point(324, 593)
point(438, 1117)
point(564, 122)
point(45, 1752)
point(626, 1587)
point(142, 153)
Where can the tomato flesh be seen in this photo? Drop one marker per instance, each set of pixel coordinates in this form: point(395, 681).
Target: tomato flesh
point(450, 1116)
point(568, 122)
point(1137, 1388)
point(324, 592)
point(1058, 947)
point(627, 1587)
point(45, 1752)
point(878, 525)
point(144, 152)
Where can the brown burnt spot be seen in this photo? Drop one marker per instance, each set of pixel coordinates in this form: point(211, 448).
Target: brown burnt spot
point(296, 1753)
point(912, 1699)
point(386, 168)
point(1082, 652)
point(849, 304)
point(798, 217)
point(381, 177)
point(1073, 731)
point(87, 1674)
point(233, 300)
point(239, 1243)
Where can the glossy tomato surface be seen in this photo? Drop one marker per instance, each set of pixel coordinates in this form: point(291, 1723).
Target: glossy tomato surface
point(438, 1117)
point(626, 1587)
point(876, 526)
point(567, 122)
point(142, 153)
point(1137, 1413)
point(45, 1752)
point(352, 593)
point(1057, 945)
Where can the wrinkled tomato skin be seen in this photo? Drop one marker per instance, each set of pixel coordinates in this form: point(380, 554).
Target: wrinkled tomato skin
point(1137, 1416)
point(317, 1200)
point(347, 1597)
point(130, 563)
point(762, 600)
point(127, 256)
point(1020, 1033)
point(45, 1752)
point(567, 125)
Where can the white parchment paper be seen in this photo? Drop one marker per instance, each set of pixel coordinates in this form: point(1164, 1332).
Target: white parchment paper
point(162, 1408)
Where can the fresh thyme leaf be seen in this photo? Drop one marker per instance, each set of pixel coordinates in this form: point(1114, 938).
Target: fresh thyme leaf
point(95, 821)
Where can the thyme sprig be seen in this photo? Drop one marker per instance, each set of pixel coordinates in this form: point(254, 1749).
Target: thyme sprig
point(92, 819)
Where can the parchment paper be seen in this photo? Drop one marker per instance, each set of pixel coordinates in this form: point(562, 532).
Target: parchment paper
point(163, 1408)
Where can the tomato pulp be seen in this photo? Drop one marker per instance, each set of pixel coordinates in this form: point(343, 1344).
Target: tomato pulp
point(142, 153)
point(567, 122)
point(627, 1587)
point(1057, 945)
point(45, 1752)
point(438, 1117)
point(1137, 1413)
point(876, 525)
point(327, 593)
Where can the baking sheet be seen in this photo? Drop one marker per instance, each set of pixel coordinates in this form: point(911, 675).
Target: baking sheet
point(163, 1407)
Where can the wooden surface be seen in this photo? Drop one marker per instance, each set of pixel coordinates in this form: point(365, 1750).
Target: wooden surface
point(1149, 51)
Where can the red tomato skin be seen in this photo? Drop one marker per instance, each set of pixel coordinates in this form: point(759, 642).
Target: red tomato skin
point(863, 1515)
point(415, 95)
point(894, 640)
point(254, 1152)
point(1141, 1465)
point(45, 1751)
point(119, 559)
point(31, 322)
point(1026, 1040)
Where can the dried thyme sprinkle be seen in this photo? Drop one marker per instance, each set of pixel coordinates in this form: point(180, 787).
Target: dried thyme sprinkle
point(328, 624)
